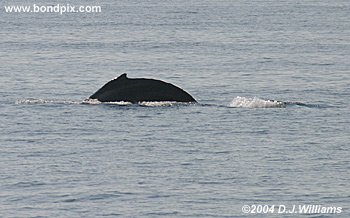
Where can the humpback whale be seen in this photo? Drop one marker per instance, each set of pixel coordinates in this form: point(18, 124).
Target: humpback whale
point(136, 90)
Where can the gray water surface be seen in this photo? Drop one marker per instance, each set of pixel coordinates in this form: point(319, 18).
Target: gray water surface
point(62, 158)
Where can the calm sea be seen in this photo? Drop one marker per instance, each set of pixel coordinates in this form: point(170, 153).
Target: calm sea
point(62, 158)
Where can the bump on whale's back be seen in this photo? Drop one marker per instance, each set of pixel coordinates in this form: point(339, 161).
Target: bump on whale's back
point(138, 90)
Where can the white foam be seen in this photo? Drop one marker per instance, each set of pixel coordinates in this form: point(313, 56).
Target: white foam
point(95, 101)
point(126, 103)
point(244, 102)
point(91, 101)
point(45, 101)
point(121, 103)
point(157, 103)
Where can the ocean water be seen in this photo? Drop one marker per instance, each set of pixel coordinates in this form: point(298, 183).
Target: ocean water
point(62, 158)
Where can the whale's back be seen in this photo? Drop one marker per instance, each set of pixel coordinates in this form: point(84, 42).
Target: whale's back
point(138, 90)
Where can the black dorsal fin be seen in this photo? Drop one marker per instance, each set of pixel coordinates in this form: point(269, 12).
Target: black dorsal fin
point(122, 77)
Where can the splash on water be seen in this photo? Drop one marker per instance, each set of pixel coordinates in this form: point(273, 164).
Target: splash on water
point(237, 102)
point(158, 103)
point(45, 101)
point(244, 102)
point(95, 101)
point(32, 101)
point(143, 103)
point(91, 101)
point(126, 103)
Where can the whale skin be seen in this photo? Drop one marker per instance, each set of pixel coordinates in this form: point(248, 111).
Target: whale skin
point(136, 90)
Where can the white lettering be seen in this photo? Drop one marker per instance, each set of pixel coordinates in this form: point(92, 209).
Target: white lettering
point(61, 9)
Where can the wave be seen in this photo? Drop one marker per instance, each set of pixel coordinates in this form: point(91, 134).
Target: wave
point(237, 102)
point(159, 103)
point(143, 103)
point(97, 102)
point(45, 101)
point(255, 102)
point(126, 103)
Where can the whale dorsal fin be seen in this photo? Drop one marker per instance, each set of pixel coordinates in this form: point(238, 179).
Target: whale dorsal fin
point(123, 76)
